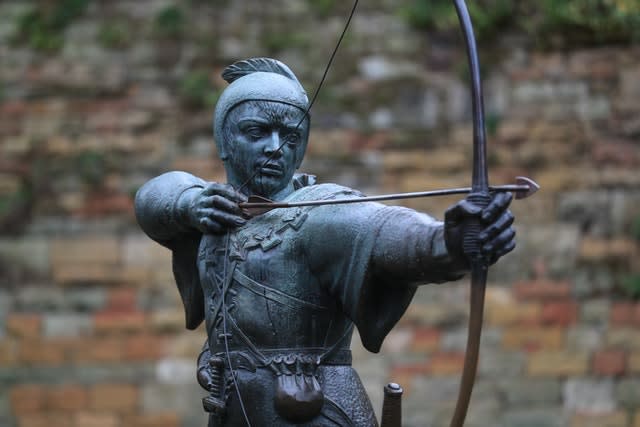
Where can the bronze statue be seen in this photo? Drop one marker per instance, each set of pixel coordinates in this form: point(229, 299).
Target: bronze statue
point(280, 292)
point(281, 268)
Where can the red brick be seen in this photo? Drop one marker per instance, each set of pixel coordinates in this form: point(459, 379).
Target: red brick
point(513, 313)
point(8, 353)
point(533, 338)
point(92, 419)
point(24, 325)
point(542, 290)
point(405, 373)
point(153, 420)
point(103, 350)
point(27, 398)
point(609, 362)
point(614, 419)
point(122, 300)
point(67, 398)
point(121, 398)
point(634, 363)
point(107, 322)
point(561, 313)
point(45, 420)
point(106, 203)
point(144, 347)
point(37, 352)
point(425, 340)
point(625, 314)
point(557, 364)
point(446, 363)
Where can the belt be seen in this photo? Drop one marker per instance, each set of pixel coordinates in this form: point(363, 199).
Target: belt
point(248, 361)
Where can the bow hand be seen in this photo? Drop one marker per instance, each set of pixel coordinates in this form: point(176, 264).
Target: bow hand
point(496, 237)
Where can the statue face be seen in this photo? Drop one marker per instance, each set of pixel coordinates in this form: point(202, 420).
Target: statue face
point(254, 130)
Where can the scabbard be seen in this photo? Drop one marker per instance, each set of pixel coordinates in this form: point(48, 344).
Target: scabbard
point(392, 406)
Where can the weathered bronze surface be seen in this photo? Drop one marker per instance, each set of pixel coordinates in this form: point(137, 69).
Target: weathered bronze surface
point(281, 292)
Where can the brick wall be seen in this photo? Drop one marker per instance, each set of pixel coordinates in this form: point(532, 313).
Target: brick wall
point(91, 327)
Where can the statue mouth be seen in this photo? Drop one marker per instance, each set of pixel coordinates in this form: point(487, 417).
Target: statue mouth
point(272, 169)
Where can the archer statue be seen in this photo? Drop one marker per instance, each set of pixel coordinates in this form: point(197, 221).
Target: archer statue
point(280, 291)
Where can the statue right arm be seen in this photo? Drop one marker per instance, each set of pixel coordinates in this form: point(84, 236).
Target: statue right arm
point(161, 205)
point(176, 203)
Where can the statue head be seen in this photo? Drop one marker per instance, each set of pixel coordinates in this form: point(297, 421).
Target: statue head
point(260, 126)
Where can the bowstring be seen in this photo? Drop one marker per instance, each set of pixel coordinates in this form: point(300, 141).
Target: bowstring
point(225, 285)
point(313, 98)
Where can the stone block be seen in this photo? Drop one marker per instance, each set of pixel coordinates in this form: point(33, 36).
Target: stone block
point(67, 325)
point(627, 393)
point(502, 309)
point(443, 364)
point(27, 398)
point(624, 338)
point(107, 322)
point(175, 371)
point(542, 290)
point(182, 399)
point(557, 364)
point(25, 254)
point(625, 313)
point(45, 420)
point(589, 396)
point(144, 347)
point(561, 313)
point(609, 362)
point(600, 251)
point(534, 417)
point(67, 398)
point(23, 326)
point(103, 250)
point(168, 320)
point(614, 419)
point(100, 350)
point(166, 419)
point(497, 363)
point(530, 392)
point(92, 419)
point(122, 300)
point(584, 338)
point(533, 338)
point(86, 299)
point(633, 363)
point(425, 340)
point(39, 352)
point(120, 398)
point(595, 311)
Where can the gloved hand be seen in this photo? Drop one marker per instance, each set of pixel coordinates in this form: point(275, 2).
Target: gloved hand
point(497, 237)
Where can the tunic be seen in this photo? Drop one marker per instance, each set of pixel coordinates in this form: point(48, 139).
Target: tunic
point(281, 294)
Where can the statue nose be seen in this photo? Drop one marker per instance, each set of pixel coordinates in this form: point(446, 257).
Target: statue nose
point(272, 145)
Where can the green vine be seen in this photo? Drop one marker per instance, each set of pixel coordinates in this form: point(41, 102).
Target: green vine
point(42, 27)
point(552, 23)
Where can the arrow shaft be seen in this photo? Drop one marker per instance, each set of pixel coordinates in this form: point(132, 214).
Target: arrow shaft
point(515, 188)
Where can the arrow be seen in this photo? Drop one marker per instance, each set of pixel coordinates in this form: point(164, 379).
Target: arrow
point(256, 205)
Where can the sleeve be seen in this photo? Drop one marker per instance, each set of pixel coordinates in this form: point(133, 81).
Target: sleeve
point(379, 256)
point(156, 211)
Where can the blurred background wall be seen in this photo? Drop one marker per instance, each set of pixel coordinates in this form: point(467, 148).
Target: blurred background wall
point(98, 96)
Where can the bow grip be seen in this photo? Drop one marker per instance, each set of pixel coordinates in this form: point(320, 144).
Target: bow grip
point(470, 242)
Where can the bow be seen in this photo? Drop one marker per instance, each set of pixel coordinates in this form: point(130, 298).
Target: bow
point(480, 196)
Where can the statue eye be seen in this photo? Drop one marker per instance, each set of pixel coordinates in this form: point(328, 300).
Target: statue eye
point(255, 132)
point(293, 138)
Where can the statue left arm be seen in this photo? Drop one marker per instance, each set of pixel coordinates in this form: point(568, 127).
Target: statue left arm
point(423, 250)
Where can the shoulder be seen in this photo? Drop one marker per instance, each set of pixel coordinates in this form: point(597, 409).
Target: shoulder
point(323, 192)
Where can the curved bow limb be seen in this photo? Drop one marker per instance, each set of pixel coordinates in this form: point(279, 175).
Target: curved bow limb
point(471, 244)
